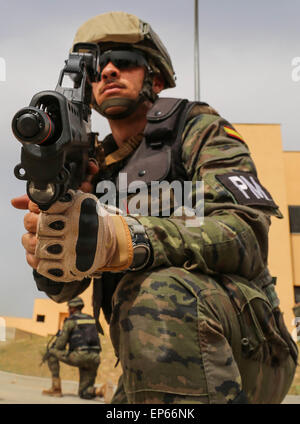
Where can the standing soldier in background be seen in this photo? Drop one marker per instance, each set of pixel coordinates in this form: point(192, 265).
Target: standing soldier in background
point(193, 312)
point(79, 332)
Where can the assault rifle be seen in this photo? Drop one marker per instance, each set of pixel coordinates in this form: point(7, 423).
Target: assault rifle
point(55, 131)
point(50, 344)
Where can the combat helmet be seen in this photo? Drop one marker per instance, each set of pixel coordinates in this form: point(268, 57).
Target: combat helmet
point(76, 302)
point(119, 29)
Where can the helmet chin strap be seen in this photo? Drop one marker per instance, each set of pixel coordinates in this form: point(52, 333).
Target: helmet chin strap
point(129, 105)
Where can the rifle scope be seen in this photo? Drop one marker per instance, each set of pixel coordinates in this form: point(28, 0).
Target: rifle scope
point(32, 125)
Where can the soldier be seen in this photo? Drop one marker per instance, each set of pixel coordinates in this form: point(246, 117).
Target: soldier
point(79, 332)
point(193, 312)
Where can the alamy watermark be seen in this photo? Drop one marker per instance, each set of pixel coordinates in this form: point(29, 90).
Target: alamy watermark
point(159, 198)
point(296, 69)
point(2, 70)
point(2, 330)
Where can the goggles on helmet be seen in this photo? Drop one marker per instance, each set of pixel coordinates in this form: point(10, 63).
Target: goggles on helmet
point(122, 59)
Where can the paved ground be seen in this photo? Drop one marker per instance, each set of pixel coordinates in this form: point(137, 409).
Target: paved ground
point(295, 400)
point(19, 389)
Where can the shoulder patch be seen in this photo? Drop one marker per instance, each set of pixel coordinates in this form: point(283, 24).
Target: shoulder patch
point(233, 133)
point(246, 189)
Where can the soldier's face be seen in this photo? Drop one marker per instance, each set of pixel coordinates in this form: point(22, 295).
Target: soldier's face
point(117, 82)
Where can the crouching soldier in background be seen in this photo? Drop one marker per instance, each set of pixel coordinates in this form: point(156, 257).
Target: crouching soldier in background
point(80, 333)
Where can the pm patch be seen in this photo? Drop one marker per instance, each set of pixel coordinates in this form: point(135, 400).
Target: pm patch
point(246, 189)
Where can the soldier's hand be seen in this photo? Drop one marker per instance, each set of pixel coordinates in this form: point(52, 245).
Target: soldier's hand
point(77, 237)
point(93, 169)
point(29, 240)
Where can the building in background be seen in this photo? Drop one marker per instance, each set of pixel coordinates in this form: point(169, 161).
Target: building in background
point(48, 316)
point(292, 167)
point(265, 143)
point(279, 172)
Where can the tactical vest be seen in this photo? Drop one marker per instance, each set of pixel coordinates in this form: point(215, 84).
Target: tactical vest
point(84, 336)
point(159, 156)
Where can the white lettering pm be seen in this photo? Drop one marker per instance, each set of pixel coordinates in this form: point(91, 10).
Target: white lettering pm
point(244, 185)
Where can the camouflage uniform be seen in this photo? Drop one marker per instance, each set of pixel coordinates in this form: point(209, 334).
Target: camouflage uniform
point(202, 323)
point(86, 360)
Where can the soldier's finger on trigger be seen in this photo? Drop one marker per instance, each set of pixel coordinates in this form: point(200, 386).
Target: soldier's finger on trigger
point(30, 222)
point(93, 167)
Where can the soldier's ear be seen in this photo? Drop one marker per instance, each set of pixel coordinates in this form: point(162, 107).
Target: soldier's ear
point(158, 83)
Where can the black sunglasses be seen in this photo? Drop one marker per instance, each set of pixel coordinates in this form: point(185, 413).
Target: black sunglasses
point(122, 59)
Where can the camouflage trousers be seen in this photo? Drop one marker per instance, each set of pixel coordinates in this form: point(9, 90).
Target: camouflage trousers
point(87, 362)
point(184, 337)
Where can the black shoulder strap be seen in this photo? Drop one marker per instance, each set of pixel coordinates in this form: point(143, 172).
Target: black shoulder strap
point(162, 121)
point(162, 143)
point(166, 120)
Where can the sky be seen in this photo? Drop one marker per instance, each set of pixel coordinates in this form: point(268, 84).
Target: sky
point(249, 72)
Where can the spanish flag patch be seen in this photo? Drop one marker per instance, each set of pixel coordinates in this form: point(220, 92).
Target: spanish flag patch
point(232, 133)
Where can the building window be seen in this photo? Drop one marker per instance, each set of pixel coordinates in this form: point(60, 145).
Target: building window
point(294, 214)
point(297, 294)
point(40, 318)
